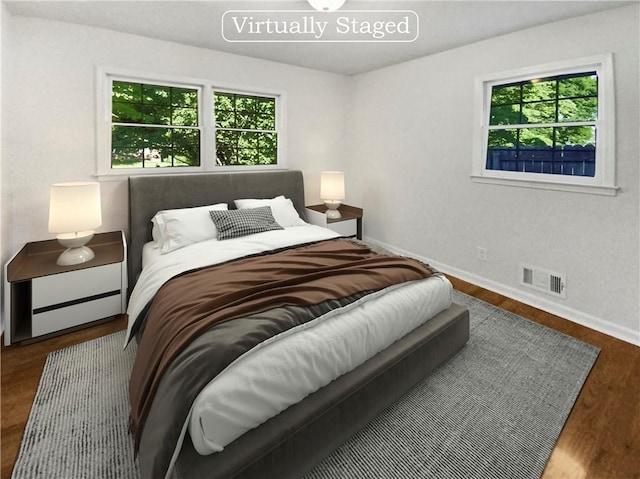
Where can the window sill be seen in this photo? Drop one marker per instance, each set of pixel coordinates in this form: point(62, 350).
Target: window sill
point(546, 185)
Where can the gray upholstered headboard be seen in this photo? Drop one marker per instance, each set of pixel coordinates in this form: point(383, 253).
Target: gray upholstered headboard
point(150, 194)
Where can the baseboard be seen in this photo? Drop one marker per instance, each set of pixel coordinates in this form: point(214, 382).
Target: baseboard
point(625, 334)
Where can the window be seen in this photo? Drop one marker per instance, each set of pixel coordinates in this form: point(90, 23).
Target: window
point(548, 127)
point(544, 125)
point(152, 126)
point(245, 129)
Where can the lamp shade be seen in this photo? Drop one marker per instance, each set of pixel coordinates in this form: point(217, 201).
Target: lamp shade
point(74, 207)
point(326, 5)
point(332, 185)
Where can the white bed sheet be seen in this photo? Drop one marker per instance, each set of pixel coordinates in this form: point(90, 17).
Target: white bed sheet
point(150, 252)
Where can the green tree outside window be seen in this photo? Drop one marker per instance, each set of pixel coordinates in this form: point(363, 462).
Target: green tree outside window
point(544, 125)
point(245, 129)
point(154, 126)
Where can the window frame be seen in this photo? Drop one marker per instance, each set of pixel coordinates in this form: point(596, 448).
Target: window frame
point(206, 122)
point(603, 182)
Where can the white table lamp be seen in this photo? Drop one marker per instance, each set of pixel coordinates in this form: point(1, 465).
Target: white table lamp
point(332, 191)
point(74, 213)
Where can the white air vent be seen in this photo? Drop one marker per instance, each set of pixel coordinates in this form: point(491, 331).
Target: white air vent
point(543, 280)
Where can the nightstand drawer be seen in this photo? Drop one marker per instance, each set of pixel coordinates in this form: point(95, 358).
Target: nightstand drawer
point(344, 228)
point(74, 285)
point(63, 318)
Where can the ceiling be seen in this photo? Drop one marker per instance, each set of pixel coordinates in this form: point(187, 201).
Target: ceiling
point(442, 25)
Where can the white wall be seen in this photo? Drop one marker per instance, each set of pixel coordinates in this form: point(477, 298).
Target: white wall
point(49, 111)
point(410, 135)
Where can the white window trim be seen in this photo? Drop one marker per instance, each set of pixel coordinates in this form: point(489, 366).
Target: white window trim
point(603, 182)
point(104, 78)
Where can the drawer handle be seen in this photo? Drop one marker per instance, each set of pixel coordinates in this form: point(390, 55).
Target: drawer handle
point(44, 309)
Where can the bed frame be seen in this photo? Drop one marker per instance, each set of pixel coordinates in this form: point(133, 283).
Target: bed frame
point(291, 443)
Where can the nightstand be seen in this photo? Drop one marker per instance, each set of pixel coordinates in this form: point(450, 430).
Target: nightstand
point(43, 298)
point(349, 224)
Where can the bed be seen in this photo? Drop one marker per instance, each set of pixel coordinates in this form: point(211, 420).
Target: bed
point(302, 434)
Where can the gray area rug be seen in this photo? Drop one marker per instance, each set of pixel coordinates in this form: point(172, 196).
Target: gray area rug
point(495, 410)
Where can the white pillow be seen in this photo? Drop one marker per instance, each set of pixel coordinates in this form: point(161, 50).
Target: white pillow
point(282, 209)
point(174, 229)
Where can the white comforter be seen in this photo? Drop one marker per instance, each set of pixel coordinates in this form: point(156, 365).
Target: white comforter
point(286, 368)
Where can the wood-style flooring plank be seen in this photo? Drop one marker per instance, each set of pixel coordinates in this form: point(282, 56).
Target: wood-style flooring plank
point(600, 440)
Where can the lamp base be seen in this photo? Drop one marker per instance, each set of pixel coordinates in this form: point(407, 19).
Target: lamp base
point(73, 256)
point(332, 209)
point(76, 252)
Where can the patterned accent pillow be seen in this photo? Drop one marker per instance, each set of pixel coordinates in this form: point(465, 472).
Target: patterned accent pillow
point(236, 223)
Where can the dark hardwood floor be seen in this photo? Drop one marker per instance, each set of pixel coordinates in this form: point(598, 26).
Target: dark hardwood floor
point(601, 438)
